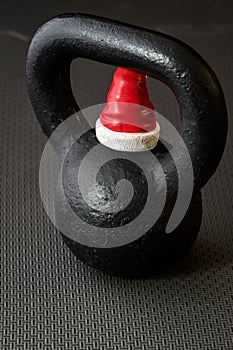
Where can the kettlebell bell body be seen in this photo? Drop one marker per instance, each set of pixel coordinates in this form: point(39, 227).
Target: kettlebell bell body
point(204, 131)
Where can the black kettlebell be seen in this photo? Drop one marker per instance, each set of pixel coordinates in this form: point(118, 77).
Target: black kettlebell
point(204, 131)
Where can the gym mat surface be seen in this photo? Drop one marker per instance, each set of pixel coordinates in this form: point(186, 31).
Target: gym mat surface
point(49, 299)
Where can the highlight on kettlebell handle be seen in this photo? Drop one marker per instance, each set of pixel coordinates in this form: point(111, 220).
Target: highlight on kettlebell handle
point(195, 85)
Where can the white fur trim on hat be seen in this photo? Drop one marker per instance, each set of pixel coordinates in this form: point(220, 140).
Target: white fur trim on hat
point(129, 142)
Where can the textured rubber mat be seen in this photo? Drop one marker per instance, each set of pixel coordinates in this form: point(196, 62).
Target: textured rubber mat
point(50, 300)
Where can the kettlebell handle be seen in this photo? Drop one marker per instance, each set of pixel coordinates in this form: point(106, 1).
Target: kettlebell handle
point(196, 87)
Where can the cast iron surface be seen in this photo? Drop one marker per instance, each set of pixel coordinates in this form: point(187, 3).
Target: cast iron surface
point(155, 250)
point(194, 84)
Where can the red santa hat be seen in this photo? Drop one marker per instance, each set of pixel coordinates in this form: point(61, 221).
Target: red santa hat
point(127, 122)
